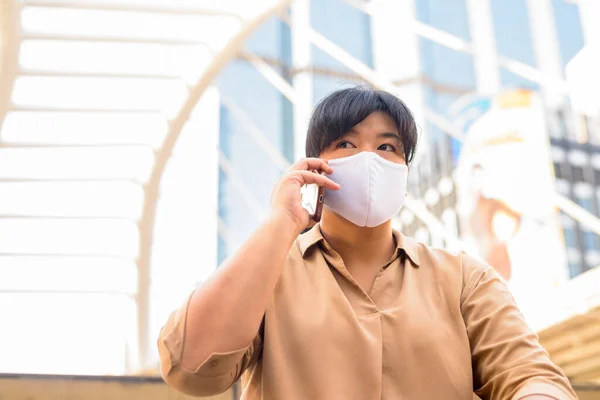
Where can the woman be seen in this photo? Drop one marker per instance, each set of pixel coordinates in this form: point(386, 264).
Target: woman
point(353, 309)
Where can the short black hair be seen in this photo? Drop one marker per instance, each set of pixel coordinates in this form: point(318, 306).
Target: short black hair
point(339, 112)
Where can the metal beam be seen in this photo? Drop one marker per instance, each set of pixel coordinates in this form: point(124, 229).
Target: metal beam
point(92, 74)
point(458, 44)
point(241, 186)
point(67, 217)
point(58, 111)
point(578, 213)
point(125, 6)
point(238, 114)
point(10, 23)
point(272, 76)
point(424, 30)
point(68, 180)
point(533, 74)
point(151, 189)
point(67, 291)
point(38, 145)
point(109, 39)
point(67, 255)
point(19, 107)
point(443, 124)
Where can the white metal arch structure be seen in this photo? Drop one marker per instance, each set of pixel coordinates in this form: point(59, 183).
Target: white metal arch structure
point(250, 23)
point(100, 98)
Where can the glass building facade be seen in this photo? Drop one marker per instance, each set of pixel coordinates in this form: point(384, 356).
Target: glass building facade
point(449, 70)
point(247, 173)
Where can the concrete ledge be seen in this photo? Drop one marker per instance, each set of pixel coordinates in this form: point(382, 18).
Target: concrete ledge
point(73, 387)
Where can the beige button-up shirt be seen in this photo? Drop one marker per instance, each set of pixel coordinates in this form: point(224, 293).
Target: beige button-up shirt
point(435, 325)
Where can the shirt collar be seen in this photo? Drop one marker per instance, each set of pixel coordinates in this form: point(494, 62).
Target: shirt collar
point(403, 243)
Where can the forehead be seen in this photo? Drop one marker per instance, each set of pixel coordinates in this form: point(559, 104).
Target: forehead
point(376, 122)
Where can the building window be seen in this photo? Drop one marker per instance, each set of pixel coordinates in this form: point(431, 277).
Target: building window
point(512, 30)
point(575, 269)
point(570, 238)
point(450, 75)
point(590, 240)
point(587, 204)
point(561, 170)
point(577, 174)
point(592, 259)
point(447, 15)
point(568, 29)
point(347, 27)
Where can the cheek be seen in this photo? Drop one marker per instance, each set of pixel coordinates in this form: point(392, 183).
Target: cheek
point(325, 155)
point(393, 157)
point(337, 153)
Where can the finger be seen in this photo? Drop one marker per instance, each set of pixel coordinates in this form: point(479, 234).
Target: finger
point(309, 164)
point(308, 178)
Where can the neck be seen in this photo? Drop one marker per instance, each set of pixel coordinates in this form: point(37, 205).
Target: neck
point(356, 243)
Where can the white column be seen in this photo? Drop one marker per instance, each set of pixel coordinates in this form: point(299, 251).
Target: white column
point(547, 52)
point(485, 56)
point(396, 51)
point(187, 207)
point(396, 57)
point(302, 81)
point(589, 12)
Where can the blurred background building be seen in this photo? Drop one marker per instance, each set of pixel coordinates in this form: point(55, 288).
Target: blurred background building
point(140, 141)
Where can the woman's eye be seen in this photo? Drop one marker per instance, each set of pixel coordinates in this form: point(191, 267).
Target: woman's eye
point(386, 147)
point(344, 145)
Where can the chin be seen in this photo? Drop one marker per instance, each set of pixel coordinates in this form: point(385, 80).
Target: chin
point(334, 218)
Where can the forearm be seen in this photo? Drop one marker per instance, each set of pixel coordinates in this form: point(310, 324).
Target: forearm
point(225, 314)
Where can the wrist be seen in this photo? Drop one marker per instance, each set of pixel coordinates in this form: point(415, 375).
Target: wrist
point(285, 221)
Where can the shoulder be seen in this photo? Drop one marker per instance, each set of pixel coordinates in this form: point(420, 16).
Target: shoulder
point(455, 261)
point(299, 261)
point(434, 258)
point(456, 268)
point(429, 257)
point(474, 269)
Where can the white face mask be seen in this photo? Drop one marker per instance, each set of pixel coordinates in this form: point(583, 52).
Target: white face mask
point(372, 190)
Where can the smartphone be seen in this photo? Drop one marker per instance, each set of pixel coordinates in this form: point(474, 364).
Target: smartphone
point(313, 199)
point(319, 207)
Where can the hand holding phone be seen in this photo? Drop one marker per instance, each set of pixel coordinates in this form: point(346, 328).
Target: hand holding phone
point(313, 199)
point(320, 202)
point(297, 191)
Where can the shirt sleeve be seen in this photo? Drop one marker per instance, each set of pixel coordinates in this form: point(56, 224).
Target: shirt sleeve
point(213, 376)
point(508, 361)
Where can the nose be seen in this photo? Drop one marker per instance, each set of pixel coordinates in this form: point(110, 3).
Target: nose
point(367, 147)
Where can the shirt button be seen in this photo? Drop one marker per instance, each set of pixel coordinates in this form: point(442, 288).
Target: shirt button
point(214, 363)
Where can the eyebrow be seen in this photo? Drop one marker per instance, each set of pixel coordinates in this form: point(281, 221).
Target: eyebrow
point(391, 135)
point(383, 134)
